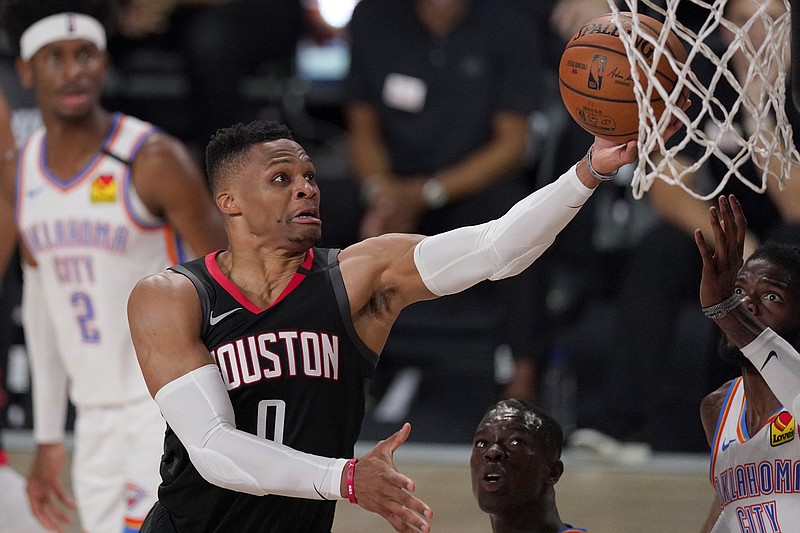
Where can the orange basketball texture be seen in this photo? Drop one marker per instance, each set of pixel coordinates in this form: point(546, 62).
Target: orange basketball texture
point(595, 76)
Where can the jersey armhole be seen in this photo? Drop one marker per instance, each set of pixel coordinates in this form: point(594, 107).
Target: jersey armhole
point(202, 294)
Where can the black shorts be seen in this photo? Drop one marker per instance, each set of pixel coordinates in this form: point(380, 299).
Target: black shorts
point(158, 521)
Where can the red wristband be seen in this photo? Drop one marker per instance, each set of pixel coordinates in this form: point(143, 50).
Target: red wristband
point(350, 480)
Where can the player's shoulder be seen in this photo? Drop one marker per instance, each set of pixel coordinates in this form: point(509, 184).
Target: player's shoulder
point(715, 399)
point(711, 406)
point(159, 144)
point(166, 285)
point(381, 249)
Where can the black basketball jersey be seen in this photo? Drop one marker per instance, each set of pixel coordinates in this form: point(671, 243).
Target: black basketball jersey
point(296, 374)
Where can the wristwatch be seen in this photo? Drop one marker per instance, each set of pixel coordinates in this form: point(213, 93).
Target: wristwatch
point(434, 194)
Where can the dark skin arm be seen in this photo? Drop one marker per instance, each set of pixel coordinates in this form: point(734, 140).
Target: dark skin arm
point(382, 278)
point(172, 185)
point(721, 264)
point(397, 203)
point(710, 408)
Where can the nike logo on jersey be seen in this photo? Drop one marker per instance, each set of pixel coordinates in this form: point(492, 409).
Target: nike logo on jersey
point(770, 356)
point(36, 191)
point(726, 445)
point(214, 320)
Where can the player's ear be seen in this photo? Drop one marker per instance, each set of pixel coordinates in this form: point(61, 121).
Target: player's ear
point(227, 203)
point(556, 469)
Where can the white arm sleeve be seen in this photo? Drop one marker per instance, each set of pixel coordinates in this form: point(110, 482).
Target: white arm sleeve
point(48, 375)
point(456, 260)
point(197, 408)
point(779, 364)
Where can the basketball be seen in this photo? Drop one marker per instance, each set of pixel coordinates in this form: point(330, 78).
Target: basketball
point(595, 76)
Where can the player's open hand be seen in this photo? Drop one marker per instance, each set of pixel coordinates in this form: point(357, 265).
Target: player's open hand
point(46, 494)
point(380, 488)
point(722, 261)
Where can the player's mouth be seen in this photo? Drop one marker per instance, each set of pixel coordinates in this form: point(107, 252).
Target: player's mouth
point(74, 97)
point(492, 481)
point(307, 216)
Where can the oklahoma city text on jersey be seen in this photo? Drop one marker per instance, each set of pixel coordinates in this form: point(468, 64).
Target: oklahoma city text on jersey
point(749, 485)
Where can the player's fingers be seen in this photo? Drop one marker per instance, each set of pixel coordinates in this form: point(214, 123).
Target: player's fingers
point(730, 229)
point(397, 481)
point(716, 228)
point(400, 436)
point(702, 246)
point(405, 518)
point(56, 516)
point(48, 516)
point(740, 220)
point(64, 498)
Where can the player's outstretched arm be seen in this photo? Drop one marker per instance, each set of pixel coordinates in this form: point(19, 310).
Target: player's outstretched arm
point(380, 488)
point(384, 274)
point(776, 359)
point(164, 314)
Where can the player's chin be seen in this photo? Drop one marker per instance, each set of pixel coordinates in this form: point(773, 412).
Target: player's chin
point(492, 503)
point(308, 238)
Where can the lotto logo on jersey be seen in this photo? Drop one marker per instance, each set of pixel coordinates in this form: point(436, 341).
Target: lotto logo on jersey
point(104, 189)
point(782, 429)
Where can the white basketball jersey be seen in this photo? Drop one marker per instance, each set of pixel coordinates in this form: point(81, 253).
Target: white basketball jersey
point(93, 239)
point(757, 478)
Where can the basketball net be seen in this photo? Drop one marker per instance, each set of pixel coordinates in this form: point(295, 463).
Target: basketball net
point(760, 94)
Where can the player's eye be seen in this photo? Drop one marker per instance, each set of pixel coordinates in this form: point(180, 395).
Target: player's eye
point(772, 297)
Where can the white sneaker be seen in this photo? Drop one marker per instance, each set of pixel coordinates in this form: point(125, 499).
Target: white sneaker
point(594, 443)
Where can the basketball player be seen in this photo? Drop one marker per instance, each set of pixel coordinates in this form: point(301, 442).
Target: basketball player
point(261, 378)
point(515, 464)
point(100, 200)
point(749, 421)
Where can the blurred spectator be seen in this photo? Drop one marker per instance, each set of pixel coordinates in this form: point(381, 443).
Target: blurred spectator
point(220, 41)
point(440, 96)
point(579, 274)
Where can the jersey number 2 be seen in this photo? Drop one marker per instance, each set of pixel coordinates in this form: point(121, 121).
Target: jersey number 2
point(85, 314)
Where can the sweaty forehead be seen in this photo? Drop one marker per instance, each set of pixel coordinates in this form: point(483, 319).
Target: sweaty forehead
point(510, 417)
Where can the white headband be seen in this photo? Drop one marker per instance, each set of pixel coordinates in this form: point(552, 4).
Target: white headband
point(59, 27)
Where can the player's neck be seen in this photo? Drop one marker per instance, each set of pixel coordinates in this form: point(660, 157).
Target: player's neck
point(70, 144)
point(761, 402)
point(540, 517)
point(260, 274)
point(94, 123)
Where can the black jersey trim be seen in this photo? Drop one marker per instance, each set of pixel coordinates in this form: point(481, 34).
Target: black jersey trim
point(202, 294)
point(344, 307)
